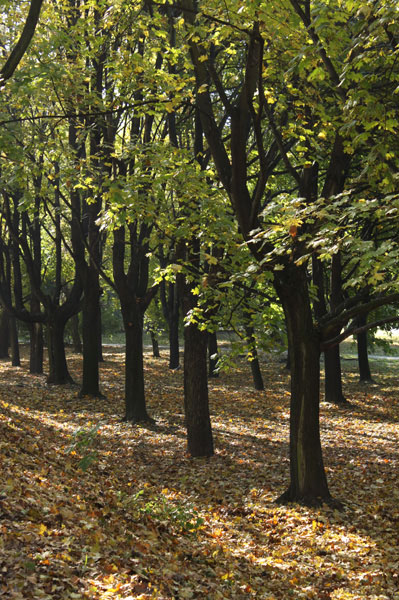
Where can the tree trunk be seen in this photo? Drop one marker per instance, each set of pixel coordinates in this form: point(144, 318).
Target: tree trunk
point(308, 482)
point(196, 402)
point(58, 369)
point(36, 349)
point(362, 353)
point(14, 343)
point(76, 341)
point(333, 376)
point(135, 404)
point(254, 360)
point(90, 312)
point(212, 355)
point(155, 345)
point(4, 334)
point(100, 334)
point(174, 356)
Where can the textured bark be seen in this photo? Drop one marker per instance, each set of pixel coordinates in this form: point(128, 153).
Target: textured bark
point(308, 482)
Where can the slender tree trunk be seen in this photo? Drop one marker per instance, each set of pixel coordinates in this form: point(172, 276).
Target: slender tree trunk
point(332, 358)
point(333, 376)
point(196, 402)
point(308, 482)
point(76, 341)
point(58, 369)
point(362, 353)
point(254, 360)
point(135, 404)
point(14, 343)
point(173, 322)
point(155, 344)
point(212, 355)
point(36, 349)
point(174, 353)
point(4, 334)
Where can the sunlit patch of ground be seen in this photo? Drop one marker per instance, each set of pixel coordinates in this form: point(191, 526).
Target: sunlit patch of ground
point(146, 521)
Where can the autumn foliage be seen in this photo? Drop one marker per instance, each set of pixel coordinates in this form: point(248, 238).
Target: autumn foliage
point(143, 520)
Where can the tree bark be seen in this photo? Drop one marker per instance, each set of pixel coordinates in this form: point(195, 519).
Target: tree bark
point(4, 334)
point(135, 404)
point(170, 307)
point(76, 341)
point(333, 376)
point(14, 343)
point(196, 402)
point(155, 344)
point(36, 348)
point(100, 333)
point(362, 353)
point(58, 369)
point(90, 312)
point(254, 360)
point(308, 482)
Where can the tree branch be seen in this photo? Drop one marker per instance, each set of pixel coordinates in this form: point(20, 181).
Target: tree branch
point(22, 45)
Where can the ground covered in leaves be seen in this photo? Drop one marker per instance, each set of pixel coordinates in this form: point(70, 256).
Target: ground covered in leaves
point(146, 521)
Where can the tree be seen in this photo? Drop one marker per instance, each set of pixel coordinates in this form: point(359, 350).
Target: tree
point(287, 105)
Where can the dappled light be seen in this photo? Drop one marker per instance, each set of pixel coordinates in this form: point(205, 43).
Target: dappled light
point(95, 508)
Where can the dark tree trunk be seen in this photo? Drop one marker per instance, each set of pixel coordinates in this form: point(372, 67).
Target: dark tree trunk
point(333, 376)
point(254, 360)
point(100, 334)
point(169, 295)
point(308, 482)
point(36, 349)
point(155, 344)
point(196, 402)
point(90, 312)
point(212, 355)
point(362, 353)
point(332, 358)
point(76, 341)
point(135, 404)
point(174, 355)
point(4, 334)
point(58, 369)
point(14, 343)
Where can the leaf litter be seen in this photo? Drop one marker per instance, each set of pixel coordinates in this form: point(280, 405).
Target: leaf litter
point(93, 508)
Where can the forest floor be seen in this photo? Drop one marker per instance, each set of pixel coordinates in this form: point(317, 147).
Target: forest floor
point(146, 521)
